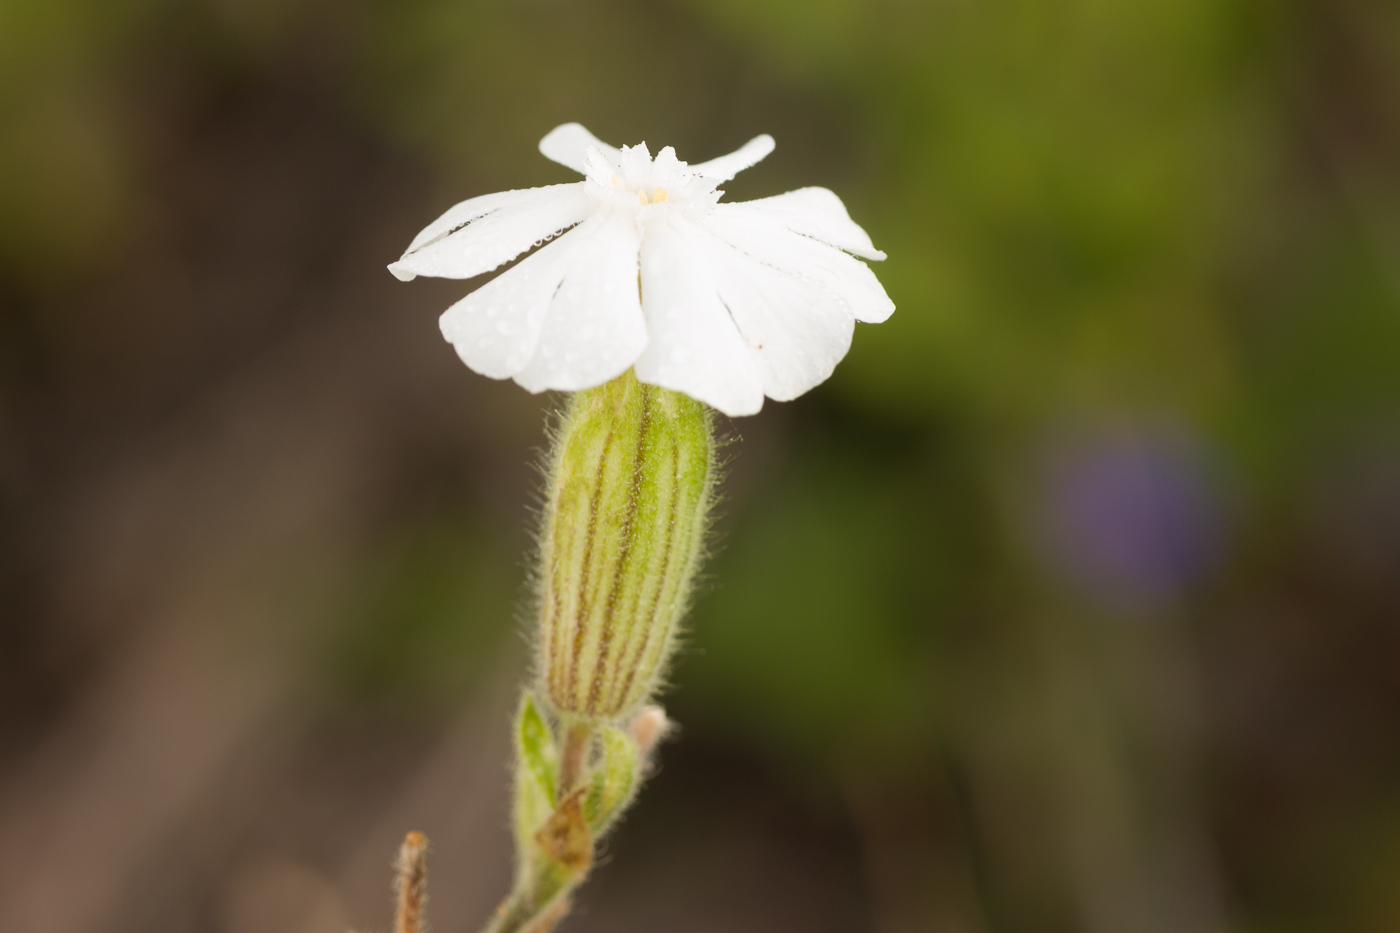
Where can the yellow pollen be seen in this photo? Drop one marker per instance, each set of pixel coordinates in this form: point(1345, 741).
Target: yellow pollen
point(658, 195)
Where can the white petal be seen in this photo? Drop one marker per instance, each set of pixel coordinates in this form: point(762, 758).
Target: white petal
point(568, 145)
point(769, 241)
point(478, 235)
point(818, 213)
point(797, 329)
point(594, 327)
point(635, 165)
point(599, 170)
point(726, 167)
point(459, 215)
point(496, 328)
point(694, 345)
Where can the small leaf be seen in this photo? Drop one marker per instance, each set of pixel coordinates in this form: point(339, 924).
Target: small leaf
point(564, 838)
point(537, 750)
point(536, 767)
point(612, 783)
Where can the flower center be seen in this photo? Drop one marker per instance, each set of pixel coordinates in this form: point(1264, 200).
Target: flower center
point(654, 196)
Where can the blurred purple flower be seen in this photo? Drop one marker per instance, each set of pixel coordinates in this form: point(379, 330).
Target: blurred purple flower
point(1132, 517)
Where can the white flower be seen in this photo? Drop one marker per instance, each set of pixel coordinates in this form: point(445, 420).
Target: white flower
point(736, 301)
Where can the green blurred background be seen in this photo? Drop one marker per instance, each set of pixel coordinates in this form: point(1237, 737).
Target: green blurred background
point(1072, 602)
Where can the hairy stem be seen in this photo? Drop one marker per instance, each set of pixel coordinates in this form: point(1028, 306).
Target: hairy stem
point(534, 911)
point(575, 756)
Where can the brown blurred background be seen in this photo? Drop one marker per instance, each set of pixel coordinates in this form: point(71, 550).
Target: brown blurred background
point(1072, 603)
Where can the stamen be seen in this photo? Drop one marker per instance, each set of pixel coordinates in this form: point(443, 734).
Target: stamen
point(658, 195)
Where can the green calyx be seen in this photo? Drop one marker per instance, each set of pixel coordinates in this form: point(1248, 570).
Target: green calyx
point(628, 500)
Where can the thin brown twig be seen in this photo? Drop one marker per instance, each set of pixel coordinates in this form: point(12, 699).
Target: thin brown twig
point(411, 884)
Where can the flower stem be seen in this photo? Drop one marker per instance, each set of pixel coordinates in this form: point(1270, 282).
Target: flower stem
point(575, 756)
point(533, 910)
point(513, 916)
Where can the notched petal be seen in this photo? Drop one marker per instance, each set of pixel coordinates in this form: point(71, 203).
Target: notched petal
point(593, 329)
point(797, 328)
point(479, 235)
point(694, 344)
point(819, 214)
point(496, 328)
point(770, 241)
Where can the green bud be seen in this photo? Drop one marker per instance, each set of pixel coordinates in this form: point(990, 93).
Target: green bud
point(628, 500)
